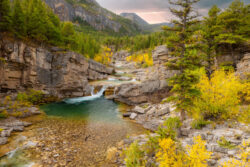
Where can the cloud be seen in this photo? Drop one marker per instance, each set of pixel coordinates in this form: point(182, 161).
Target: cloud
point(156, 11)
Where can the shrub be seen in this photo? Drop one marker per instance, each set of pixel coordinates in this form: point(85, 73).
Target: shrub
point(144, 60)
point(244, 115)
point(169, 154)
point(197, 153)
point(244, 157)
point(32, 96)
point(172, 155)
point(199, 123)
point(7, 100)
point(169, 128)
point(104, 57)
point(219, 97)
point(225, 144)
point(4, 114)
point(134, 156)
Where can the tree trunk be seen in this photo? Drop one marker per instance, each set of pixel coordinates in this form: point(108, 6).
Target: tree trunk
point(183, 115)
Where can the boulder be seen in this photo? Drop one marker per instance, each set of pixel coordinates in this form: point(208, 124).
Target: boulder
point(126, 115)
point(162, 112)
point(139, 110)
point(149, 91)
point(6, 133)
point(133, 116)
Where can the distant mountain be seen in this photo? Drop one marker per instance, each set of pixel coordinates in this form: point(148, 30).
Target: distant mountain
point(144, 26)
point(135, 18)
point(157, 27)
point(89, 13)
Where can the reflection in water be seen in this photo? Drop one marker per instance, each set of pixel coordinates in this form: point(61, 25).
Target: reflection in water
point(99, 109)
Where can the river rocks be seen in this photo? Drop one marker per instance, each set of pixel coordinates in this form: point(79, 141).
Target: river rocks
point(151, 116)
point(133, 116)
point(139, 110)
point(126, 115)
point(10, 125)
point(112, 154)
point(62, 74)
point(125, 79)
point(3, 140)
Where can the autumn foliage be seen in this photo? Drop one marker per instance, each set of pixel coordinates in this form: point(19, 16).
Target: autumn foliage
point(172, 155)
point(219, 96)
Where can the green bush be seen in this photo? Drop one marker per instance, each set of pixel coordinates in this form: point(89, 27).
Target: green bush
point(225, 144)
point(3, 114)
point(134, 156)
point(169, 128)
point(32, 96)
point(199, 124)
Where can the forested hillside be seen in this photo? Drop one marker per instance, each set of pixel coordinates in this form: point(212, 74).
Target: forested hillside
point(34, 20)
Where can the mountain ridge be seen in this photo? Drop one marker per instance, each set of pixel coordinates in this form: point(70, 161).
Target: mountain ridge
point(91, 13)
point(144, 25)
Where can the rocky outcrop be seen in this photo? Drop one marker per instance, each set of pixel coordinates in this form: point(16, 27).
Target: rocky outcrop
point(153, 85)
point(243, 67)
point(55, 71)
point(150, 91)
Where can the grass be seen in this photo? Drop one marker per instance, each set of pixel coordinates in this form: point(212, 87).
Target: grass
point(225, 144)
point(199, 124)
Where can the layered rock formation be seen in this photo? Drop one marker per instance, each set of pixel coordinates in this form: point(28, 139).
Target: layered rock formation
point(55, 71)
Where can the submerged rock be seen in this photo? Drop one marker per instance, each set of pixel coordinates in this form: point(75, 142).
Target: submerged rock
point(3, 140)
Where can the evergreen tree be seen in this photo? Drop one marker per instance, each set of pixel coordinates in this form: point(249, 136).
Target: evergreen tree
point(211, 31)
point(231, 21)
point(185, 51)
point(18, 22)
point(5, 16)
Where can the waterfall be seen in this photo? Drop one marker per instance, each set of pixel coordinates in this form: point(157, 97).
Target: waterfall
point(87, 98)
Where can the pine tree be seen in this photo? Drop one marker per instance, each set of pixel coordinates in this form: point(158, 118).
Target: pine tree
point(187, 58)
point(5, 16)
point(18, 22)
point(231, 20)
point(211, 31)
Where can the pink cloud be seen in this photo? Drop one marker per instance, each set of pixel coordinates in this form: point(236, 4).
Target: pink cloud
point(155, 17)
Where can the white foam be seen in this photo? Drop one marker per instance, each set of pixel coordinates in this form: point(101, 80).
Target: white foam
point(86, 98)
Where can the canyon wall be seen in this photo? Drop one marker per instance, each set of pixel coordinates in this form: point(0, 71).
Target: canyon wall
point(55, 71)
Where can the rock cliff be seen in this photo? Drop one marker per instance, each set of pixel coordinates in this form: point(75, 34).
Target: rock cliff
point(90, 12)
point(55, 71)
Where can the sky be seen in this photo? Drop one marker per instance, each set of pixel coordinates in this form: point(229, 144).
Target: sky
point(156, 11)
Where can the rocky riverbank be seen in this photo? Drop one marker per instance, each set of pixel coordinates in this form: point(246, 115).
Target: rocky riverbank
point(13, 114)
point(222, 138)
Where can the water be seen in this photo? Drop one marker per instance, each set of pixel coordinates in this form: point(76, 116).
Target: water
point(97, 109)
point(90, 125)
